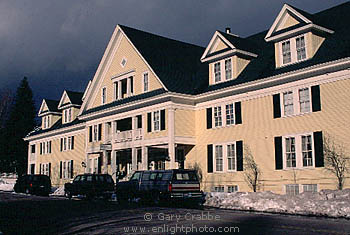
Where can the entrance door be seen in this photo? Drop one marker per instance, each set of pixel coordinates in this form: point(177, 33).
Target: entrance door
point(32, 168)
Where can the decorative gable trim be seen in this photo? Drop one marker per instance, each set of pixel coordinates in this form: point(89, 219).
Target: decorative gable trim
point(232, 49)
point(62, 105)
point(106, 60)
point(288, 10)
point(42, 107)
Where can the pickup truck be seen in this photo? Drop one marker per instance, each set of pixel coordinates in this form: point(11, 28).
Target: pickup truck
point(90, 185)
point(161, 185)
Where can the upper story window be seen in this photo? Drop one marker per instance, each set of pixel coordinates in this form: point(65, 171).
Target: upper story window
point(228, 69)
point(46, 122)
point(104, 95)
point(67, 143)
point(288, 103)
point(45, 147)
point(95, 133)
point(145, 82)
point(230, 118)
point(304, 100)
point(156, 120)
point(217, 72)
point(293, 50)
point(217, 116)
point(124, 88)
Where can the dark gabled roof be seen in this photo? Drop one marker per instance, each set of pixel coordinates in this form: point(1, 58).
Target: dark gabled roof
point(58, 125)
point(126, 100)
point(240, 43)
point(52, 105)
point(176, 63)
point(75, 97)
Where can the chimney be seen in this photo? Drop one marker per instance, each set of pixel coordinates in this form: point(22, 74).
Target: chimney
point(228, 30)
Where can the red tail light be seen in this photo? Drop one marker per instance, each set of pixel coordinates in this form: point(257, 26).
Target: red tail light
point(170, 187)
point(31, 185)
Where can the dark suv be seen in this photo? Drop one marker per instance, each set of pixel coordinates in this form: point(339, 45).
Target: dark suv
point(33, 184)
point(90, 185)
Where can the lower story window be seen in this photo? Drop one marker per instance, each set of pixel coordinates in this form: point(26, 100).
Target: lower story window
point(232, 188)
point(218, 189)
point(292, 189)
point(310, 188)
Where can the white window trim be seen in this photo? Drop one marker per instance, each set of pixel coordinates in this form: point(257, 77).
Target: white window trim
point(103, 96)
point(296, 101)
point(45, 168)
point(298, 151)
point(301, 187)
point(67, 115)
point(232, 185)
point(153, 122)
point(143, 81)
point(46, 147)
point(67, 143)
point(224, 157)
point(222, 71)
point(293, 50)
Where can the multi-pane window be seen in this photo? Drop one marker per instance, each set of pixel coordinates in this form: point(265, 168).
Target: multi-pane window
point(228, 69)
point(290, 152)
point(67, 143)
point(300, 46)
point(217, 72)
point(232, 188)
point(145, 82)
point(45, 169)
point(231, 157)
point(46, 121)
point(67, 115)
point(288, 103)
point(229, 114)
point(66, 169)
point(103, 94)
point(310, 188)
point(219, 158)
point(306, 148)
point(286, 52)
point(218, 189)
point(45, 147)
point(217, 116)
point(304, 100)
point(292, 189)
point(156, 120)
point(95, 135)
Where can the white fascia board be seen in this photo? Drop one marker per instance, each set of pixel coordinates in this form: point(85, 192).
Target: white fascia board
point(62, 99)
point(228, 53)
point(86, 89)
point(300, 30)
point(216, 35)
point(57, 132)
point(280, 16)
point(43, 103)
point(44, 114)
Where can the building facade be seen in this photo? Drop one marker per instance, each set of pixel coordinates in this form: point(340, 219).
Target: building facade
point(157, 103)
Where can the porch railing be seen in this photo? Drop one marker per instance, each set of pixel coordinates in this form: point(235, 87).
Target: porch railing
point(123, 136)
point(138, 134)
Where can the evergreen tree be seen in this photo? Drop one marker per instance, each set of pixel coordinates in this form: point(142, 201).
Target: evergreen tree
point(20, 123)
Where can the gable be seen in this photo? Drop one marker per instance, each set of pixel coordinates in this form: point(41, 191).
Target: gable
point(134, 66)
point(64, 100)
point(287, 21)
point(218, 45)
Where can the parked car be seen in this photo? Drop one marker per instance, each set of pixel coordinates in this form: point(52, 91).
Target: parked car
point(90, 185)
point(33, 184)
point(161, 185)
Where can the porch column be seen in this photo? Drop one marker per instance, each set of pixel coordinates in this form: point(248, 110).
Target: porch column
point(145, 158)
point(114, 129)
point(171, 133)
point(105, 166)
point(113, 164)
point(119, 89)
point(133, 159)
point(133, 127)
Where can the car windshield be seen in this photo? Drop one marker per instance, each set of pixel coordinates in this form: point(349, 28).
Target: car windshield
point(77, 178)
point(136, 176)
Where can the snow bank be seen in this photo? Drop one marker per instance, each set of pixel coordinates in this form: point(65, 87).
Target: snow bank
point(7, 182)
point(58, 191)
point(331, 203)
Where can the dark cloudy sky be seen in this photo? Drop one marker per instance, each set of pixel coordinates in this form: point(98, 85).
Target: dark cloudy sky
point(59, 44)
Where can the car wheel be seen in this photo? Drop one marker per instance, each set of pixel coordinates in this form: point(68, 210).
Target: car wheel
point(67, 194)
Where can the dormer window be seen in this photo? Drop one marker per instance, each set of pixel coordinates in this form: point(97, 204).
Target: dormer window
point(228, 69)
point(286, 52)
point(300, 45)
point(217, 72)
point(67, 115)
point(46, 122)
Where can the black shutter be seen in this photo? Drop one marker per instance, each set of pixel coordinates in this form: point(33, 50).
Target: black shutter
point(49, 169)
point(50, 146)
point(276, 106)
point(239, 150)
point(209, 118)
point(316, 99)
point(99, 170)
point(41, 148)
point(318, 145)
point(238, 113)
point(40, 168)
point(278, 153)
point(210, 157)
point(72, 142)
point(99, 131)
point(139, 121)
point(61, 145)
point(132, 84)
point(149, 122)
point(60, 169)
point(90, 133)
point(162, 119)
point(71, 168)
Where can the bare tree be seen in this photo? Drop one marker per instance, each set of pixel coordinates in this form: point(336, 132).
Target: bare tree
point(197, 168)
point(252, 171)
point(336, 160)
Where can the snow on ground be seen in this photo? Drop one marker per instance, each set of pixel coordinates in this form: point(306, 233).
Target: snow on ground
point(7, 181)
point(58, 191)
point(331, 203)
